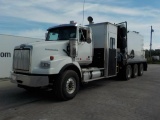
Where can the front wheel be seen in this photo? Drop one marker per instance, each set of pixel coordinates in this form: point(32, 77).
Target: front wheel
point(66, 85)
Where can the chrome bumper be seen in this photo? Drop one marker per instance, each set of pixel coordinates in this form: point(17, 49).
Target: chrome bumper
point(29, 80)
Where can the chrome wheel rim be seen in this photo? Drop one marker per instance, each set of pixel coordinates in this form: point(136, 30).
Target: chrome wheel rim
point(136, 71)
point(129, 72)
point(70, 86)
point(141, 70)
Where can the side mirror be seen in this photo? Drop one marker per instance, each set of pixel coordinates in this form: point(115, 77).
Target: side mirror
point(88, 40)
point(73, 43)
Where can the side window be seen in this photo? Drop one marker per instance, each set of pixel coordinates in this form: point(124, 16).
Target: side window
point(82, 34)
point(112, 43)
point(53, 36)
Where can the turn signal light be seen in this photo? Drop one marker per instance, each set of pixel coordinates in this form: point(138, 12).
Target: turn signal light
point(51, 57)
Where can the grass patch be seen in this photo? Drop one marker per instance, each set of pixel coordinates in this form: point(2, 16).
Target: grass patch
point(153, 62)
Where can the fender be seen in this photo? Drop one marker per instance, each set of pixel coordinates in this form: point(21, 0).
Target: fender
point(72, 66)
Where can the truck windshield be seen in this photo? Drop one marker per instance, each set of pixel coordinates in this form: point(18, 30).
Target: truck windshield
point(61, 33)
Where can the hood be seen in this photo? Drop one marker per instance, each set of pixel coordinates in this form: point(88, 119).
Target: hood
point(46, 43)
point(57, 47)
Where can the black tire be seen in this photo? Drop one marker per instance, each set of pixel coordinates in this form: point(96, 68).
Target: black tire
point(66, 85)
point(127, 72)
point(140, 70)
point(134, 70)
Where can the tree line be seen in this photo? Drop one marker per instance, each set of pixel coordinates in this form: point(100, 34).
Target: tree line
point(155, 52)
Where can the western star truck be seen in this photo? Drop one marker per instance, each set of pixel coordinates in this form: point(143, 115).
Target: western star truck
point(73, 54)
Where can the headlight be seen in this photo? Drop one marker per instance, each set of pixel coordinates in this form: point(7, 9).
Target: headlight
point(45, 65)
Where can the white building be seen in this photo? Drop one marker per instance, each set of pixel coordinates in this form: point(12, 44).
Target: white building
point(7, 44)
point(156, 58)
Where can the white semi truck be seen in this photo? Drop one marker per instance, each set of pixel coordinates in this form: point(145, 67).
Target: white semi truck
point(73, 54)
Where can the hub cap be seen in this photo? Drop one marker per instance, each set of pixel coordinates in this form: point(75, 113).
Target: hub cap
point(129, 72)
point(71, 85)
point(141, 69)
point(136, 71)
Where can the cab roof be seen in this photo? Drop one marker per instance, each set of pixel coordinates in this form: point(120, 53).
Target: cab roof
point(62, 25)
point(65, 25)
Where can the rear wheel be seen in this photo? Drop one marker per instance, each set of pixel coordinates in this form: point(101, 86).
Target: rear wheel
point(127, 72)
point(140, 70)
point(66, 85)
point(135, 70)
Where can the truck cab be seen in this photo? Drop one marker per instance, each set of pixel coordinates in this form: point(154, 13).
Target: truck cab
point(74, 32)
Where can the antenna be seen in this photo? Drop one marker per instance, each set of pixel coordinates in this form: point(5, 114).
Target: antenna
point(83, 12)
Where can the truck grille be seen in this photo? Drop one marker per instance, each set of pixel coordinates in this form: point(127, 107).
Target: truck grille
point(21, 59)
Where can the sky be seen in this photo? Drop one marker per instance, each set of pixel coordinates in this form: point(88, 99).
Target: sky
point(31, 18)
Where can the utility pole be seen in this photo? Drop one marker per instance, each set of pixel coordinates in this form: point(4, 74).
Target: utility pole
point(151, 42)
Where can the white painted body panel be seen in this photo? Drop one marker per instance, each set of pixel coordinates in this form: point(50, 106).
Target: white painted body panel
point(43, 51)
point(135, 42)
point(85, 54)
point(101, 33)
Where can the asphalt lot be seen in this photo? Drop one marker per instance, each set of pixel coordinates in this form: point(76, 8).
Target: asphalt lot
point(106, 99)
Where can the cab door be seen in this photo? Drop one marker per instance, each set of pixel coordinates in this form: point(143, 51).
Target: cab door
point(84, 49)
